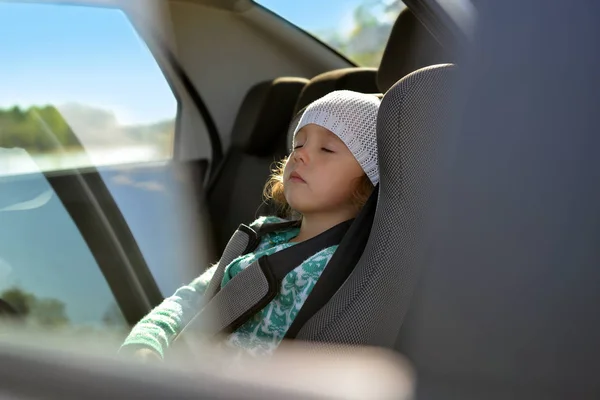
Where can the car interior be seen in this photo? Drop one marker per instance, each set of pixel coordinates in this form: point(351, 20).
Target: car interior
point(261, 101)
point(241, 75)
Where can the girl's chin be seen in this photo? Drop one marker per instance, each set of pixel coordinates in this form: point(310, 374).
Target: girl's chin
point(299, 198)
point(298, 205)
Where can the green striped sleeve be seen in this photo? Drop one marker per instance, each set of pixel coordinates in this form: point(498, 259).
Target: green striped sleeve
point(158, 329)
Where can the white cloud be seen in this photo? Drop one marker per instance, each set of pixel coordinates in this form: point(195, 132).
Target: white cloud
point(151, 186)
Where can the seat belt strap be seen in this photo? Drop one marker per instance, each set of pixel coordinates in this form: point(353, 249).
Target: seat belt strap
point(244, 240)
point(253, 288)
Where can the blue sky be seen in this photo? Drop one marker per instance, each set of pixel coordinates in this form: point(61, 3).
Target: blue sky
point(315, 15)
point(56, 54)
point(61, 54)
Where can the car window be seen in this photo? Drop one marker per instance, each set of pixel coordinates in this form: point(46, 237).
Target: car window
point(358, 29)
point(48, 276)
point(80, 88)
point(161, 212)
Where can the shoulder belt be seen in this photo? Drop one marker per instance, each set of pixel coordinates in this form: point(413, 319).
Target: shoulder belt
point(226, 309)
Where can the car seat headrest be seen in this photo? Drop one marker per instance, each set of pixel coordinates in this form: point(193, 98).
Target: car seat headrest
point(265, 113)
point(410, 46)
point(363, 80)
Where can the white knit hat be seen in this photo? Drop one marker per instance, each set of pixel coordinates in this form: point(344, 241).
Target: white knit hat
point(351, 116)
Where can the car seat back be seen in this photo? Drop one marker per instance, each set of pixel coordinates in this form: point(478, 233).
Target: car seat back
point(363, 80)
point(410, 46)
point(369, 306)
point(235, 191)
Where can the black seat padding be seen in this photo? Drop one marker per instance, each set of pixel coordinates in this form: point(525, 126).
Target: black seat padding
point(235, 190)
point(409, 47)
point(363, 80)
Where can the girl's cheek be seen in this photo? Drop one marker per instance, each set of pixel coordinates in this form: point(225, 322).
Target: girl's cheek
point(286, 168)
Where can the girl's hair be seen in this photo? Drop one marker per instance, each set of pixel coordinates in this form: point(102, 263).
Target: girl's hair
point(274, 191)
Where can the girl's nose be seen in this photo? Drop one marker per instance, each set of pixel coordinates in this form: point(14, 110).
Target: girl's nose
point(301, 155)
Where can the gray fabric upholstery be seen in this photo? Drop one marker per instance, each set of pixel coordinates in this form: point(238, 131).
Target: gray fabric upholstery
point(409, 47)
point(235, 191)
point(232, 301)
point(236, 245)
point(370, 306)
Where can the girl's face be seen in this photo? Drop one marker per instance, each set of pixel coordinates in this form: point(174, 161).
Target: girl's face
point(321, 173)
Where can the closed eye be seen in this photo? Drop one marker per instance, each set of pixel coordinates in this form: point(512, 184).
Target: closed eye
point(326, 150)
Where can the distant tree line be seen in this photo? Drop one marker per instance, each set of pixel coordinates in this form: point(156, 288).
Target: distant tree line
point(45, 311)
point(44, 130)
point(49, 312)
point(366, 43)
point(37, 129)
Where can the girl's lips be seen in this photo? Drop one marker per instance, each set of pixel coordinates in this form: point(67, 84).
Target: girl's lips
point(294, 176)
